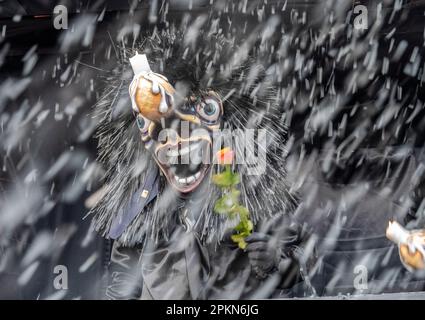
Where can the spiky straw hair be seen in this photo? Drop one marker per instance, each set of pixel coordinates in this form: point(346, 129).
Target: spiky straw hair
point(192, 66)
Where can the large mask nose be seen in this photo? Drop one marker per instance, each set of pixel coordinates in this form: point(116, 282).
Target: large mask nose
point(152, 96)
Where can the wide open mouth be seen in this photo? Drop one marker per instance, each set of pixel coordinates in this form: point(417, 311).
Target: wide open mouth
point(185, 164)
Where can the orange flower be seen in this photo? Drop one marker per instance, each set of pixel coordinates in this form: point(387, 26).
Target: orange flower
point(225, 156)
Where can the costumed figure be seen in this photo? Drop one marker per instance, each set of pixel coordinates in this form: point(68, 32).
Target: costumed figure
point(166, 104)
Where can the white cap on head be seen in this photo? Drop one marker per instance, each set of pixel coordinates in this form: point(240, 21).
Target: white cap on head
point(139, 63)
point(396, 233)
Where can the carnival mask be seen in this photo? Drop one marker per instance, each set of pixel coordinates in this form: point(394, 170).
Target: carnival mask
point(178, 131)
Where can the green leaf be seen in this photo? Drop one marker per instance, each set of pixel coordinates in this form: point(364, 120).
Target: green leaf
point(221, 207)
point(250, 226)
point(239, 227)
point(241, 211)
point(229, 204)
point(240, 240)
point(244, 227)
point(225, 179)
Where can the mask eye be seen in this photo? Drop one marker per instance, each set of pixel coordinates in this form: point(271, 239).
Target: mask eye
point(209, 109)
point(143, 123)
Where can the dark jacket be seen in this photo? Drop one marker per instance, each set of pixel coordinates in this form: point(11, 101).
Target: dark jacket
point(184, 267)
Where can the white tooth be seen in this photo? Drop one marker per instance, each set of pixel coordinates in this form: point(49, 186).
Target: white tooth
point(194, 146)
point(182, 181)
point(173, 153)
point(176, 178)
point(197, 175)
point(189, 148)
point(184, 151)
point(190, 179)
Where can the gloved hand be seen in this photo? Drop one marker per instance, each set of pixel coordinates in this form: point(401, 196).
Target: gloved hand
point(263, 255)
